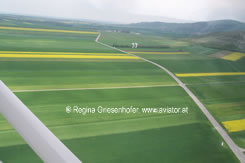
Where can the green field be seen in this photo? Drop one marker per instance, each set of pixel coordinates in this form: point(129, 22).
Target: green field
point(74, 74)
point(223, 95)
point(142, 39)
point(14, 40)
point(76, 129)
point(108, 138)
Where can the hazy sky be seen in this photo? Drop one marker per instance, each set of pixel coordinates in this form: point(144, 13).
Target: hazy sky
point(129, 10)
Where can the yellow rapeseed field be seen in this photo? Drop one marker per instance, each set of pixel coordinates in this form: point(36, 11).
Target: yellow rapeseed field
point(235, 125)
point(234, 56)
point(159, 52)
point(210, 74)
point(65, 56)
point(46, 30)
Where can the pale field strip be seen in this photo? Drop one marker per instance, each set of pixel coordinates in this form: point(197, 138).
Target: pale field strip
point(65, 56)
point(227, 105)
point(124, 87)
point(96, 88)
point(75, 53)
point(138, 52)
point(225, 82)
point(234, 56)
point(46, 30)
point(210, 74)
point(235, 125)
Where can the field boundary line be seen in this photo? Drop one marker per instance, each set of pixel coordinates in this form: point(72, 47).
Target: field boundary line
point(235, 149)
point(99, 88)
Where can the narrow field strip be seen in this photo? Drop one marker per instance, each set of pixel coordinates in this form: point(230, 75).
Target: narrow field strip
point(227, 105)
point(99, 88)
point(23, 52)
point(47, 30)
point(234, 56)
point(137, 52)
point(235, 125)
point(222, 83)
point(210, 74)
point(65, 56)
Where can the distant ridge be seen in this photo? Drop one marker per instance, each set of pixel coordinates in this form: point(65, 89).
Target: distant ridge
point(157, 27)
point(197, 28)
point(232, 41)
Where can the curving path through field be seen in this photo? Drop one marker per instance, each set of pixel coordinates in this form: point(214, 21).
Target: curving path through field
point(235, 149)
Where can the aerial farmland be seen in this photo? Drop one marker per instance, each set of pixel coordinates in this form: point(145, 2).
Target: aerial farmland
point(109, 102)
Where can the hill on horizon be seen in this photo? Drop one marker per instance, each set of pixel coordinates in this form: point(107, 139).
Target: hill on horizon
point(232, 41)
point(189, 29)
